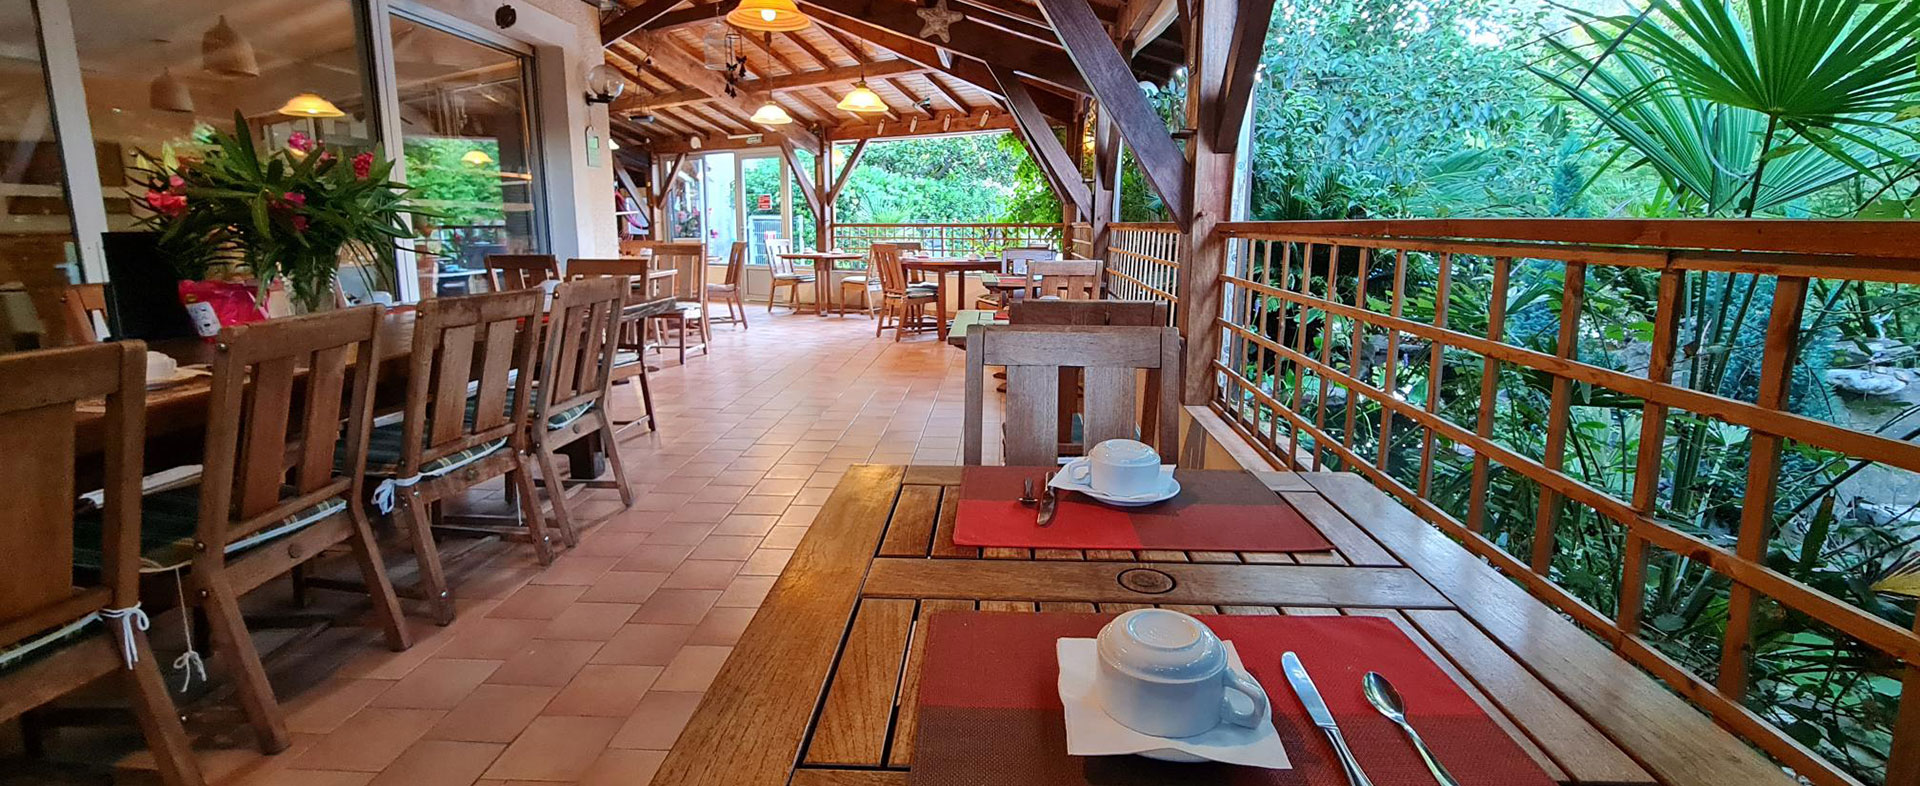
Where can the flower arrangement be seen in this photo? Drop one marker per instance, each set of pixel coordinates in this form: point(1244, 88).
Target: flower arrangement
point(288, 214)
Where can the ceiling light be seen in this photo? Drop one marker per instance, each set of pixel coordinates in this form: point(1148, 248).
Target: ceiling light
point(862, 99)
point(613, 144)
point(476, 157)
point(771, 114)
point(168, 94)
point(771, 16)
point(310, 105)
point(224, 51)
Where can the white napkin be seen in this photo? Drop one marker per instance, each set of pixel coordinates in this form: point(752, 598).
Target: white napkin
point(1091, 732)
point(1064, 480)
point(159, 481)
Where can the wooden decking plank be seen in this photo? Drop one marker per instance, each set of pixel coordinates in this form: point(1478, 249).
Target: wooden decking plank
point(1110, 555)
point(1068, 607)
point(1351, 541)
point(943, 545)
point(907, 715)
point(1282, 481)
point(1257, 585)
point(1059, 554)
point(821, 777)
point(852, 727)
point(910, 530)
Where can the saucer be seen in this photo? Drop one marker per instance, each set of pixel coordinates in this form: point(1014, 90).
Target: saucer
point(1091, 732)
point(1063, 480)
point(181, 374)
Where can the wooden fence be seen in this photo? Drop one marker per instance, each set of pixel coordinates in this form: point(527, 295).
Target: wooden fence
point(1143, 263)
point(1388, 349)
point(987, 240)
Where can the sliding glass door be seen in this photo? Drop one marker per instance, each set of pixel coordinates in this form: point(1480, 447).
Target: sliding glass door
point(37, 252)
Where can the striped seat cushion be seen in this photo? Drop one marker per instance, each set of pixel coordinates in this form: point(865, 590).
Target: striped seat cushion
point(44, 643)
point(168, 521)
point(385, 441)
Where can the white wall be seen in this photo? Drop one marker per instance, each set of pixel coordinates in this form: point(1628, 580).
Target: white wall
point(565, 36)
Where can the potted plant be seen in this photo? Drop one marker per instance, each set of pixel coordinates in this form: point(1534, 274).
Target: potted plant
point(292, 214)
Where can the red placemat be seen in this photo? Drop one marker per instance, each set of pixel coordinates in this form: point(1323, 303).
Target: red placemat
point(1217, 510)
point(990, 708)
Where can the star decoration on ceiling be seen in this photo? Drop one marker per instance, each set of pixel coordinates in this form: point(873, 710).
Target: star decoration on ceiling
point(939, 18)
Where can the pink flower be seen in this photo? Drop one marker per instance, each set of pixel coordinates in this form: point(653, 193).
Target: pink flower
point(175, 182)
point(362, 165)
point(294, 199)
point(300, 141)
point(299, 223)
point(169, 205)
point(327, 157)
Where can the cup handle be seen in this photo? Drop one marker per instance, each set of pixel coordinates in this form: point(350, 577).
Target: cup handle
point(1241, 682)
point(1079, 470)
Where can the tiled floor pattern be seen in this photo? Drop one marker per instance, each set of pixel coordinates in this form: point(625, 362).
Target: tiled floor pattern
point(586, 671)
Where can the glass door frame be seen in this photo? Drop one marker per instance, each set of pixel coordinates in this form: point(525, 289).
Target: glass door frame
point(742, 227)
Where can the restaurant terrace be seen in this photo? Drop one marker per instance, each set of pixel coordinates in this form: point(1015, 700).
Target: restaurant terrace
point(506, 392)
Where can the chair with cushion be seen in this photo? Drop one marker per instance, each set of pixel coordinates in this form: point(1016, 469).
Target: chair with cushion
point(1011, 282)
point(463, 424)
point(272, 498)
point(58, 635)
point(1110, 359)
point(576, 369)
point(785, 274)
point(689, 286)
point(730, 290)
point(521, 271)
point(866, 285)
point(900, 299)
point(643, 301)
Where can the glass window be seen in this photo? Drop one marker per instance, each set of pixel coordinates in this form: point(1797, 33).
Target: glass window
point(764, 187)
point(38, 257)
point(470, 150)
point(721, 223)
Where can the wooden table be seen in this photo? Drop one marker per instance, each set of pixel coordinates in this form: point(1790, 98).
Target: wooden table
point(965, 320)
point(820, 690)
point(940, 267)
point(823, 265)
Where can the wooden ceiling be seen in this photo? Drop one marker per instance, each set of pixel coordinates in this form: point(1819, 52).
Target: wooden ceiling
point(931, 86)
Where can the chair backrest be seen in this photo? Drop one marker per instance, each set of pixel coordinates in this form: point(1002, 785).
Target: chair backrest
point(689, 261)
point(737, 262)
point(1017, 258)
point(83, 302)
point(258, 391)
point(636, 248)
point(583, 332)
point(522, 271)
point(777, 259)
point(480, 347)
point(887, 264)
point(37, 414)
point(778, 245)
point(1109, 357)
point(1137, 313)
point(1073, 279)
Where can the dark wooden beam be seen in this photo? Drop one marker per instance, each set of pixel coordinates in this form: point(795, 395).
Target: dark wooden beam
point(1053, 158)
point(665, 186)
point(698, 14)
point(669, 59)
point(1106, 184)
point(965, 69)
point(773, 84)
point(1113, 82)
point(1242, 64)
point(970, 38)
point(633, 19)
point(1209, 197)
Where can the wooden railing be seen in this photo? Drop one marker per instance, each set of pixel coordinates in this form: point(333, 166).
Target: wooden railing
point(1586, 405)
point(952, 239)
point(1143, 263)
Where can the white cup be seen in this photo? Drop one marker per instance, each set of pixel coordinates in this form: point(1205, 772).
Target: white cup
point(160, 367)
point(1118, 468)
point(1166, 674)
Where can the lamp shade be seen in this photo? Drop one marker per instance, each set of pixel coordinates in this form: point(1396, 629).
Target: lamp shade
point(772, 16)
point(168, 94)
point(476, 157)
point(310, 105)
point(224, 51)
point(862, 99)
point(771, 114)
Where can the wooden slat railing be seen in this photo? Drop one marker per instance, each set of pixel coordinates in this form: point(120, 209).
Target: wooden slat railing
point(1321, 366)
point(1143, 263)
point(952, 239)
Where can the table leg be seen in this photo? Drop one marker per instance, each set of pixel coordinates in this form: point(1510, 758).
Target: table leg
point(583, 457)
point(819, 290)
point(940, 304)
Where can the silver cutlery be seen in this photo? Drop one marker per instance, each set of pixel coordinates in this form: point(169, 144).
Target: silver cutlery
point(1026, 491)
point(1383, 697)
point(1322, 717)
point(1049, 496)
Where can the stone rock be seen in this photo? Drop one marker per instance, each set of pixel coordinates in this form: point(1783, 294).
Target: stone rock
point(1865, 382)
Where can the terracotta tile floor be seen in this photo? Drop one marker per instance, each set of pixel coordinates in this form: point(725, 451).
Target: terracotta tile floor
point(586, 671)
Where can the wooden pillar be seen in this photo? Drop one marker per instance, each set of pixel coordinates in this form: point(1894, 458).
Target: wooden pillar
point(823, 176)
point(1106, 185)
point(1209, 192)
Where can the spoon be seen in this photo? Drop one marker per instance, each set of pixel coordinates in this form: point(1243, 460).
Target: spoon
point(1383, 697)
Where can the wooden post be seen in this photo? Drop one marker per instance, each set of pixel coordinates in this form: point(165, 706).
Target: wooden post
point(823, 175)
point(1209, 194)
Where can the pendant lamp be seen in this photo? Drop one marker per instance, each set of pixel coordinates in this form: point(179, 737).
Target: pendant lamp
point(224, 51)
point(476, 157)
point(771, 114)
point(168, 94)
point(310, 105)
point(862, 99)
point(768, 16)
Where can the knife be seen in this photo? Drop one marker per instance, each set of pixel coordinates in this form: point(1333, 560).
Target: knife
point(1322, 717)
point(1048, 497)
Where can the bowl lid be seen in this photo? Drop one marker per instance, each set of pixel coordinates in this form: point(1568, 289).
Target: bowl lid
point(1124, 452)
point(1161, 644)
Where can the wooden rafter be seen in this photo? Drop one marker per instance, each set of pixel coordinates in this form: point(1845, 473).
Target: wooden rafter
point(633, 19)
point(1047, 151)
point(981, 42)
point(965, 69)
point(809, 190)
point(677, 63)
point(1242, 63)
point(952, 96)
point(846, 172)
point(919, 103)
point(773, 84)
point(819, 55)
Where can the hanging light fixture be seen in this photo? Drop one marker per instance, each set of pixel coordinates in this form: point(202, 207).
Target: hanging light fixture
point(769, 16)
point(168, 94)
point(476, 157)
point(224, 51)
point(310, 105)
point(862, 99)
point(771, 114)
point(716, 47)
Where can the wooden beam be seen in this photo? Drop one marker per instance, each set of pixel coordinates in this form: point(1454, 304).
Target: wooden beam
point(970, 38)
point(941, 124)
point(951, 95)
point(698, 14)
point(1113, 82)
point(676, 63)
point(809, 190)
point(1141, 21)
point(633, 19)
point(1251, 19)
point(1106, 184)
point(965, 69)
point(774, 84)
point(1046, 148)
point(1208, 199)
point(846, 172)
point(665, 186)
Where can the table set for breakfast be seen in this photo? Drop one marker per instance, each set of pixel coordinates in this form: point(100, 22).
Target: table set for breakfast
point(1114, 621)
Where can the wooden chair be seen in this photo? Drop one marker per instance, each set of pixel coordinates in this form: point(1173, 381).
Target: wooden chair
point(1012, 281)
point(1123, 313)
point(866, 285)
point(267, 503)
point(576, 370)
point(630, 356)
point(521, 271)
point(899, 298)
point(1110, 357)
point(785, 274)
point(464, 424)
point(1072, 279)
point(83, 303)
point(689, 261)
point(57, 636)
point(729, 291)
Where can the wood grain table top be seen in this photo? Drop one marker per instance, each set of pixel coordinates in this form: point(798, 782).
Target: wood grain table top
point(820, 690)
